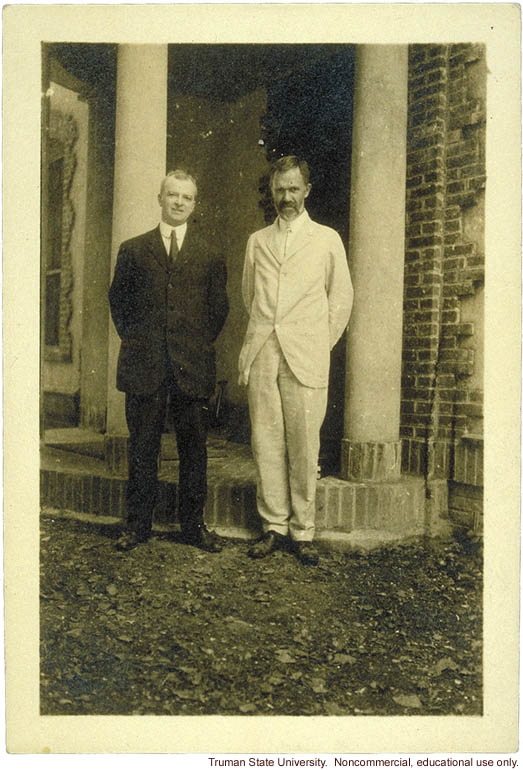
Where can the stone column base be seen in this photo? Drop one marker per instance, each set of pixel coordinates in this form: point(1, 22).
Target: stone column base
point(370, 460)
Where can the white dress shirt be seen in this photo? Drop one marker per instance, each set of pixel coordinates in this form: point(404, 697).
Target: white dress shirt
point(166, 231)
point(287, 231)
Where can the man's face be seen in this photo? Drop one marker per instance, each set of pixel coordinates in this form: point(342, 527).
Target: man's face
point(177, 199)
point(288, 193)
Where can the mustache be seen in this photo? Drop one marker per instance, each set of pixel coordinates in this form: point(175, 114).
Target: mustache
point(286, 204)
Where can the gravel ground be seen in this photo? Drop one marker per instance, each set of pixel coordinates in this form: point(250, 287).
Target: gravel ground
point(167, 629)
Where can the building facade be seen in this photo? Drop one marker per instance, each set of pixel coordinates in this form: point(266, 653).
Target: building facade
point(395, 137)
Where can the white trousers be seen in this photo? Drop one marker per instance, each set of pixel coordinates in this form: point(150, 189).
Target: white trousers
point(286, 418)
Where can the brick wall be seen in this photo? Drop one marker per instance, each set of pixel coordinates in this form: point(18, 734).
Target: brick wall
point(442, 396)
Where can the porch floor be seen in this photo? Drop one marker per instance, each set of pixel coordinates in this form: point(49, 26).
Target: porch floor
point(75, 481)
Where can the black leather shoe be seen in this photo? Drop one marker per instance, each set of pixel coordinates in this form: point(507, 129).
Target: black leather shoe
point(307, 553)
point(129, 540)
point(271, 541)
point(204, 539)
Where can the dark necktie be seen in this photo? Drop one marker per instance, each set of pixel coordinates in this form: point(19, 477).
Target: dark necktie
point(173, 250)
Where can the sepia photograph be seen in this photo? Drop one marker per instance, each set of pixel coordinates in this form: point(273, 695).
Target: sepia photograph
point(261, 394)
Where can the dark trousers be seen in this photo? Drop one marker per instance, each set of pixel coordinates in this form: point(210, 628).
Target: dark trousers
point(145, 416)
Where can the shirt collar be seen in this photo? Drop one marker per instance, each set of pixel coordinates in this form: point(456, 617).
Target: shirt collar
point(295, 224)
point(166, 230)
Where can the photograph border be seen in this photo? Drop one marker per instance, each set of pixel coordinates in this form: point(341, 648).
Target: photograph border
point(25, 27)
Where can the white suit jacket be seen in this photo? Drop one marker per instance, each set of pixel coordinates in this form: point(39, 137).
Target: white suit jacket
point(305, 298)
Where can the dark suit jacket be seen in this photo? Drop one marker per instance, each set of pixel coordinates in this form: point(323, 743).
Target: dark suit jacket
point(168, 314)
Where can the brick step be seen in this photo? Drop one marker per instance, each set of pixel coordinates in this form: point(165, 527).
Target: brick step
point(347, 513)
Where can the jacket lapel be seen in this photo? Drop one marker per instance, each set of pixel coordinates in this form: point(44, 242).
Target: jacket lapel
point(187, 245)
point(157, 249)
point(303, 237)
point(272, 241)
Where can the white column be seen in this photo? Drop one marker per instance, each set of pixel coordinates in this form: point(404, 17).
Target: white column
point(371, 448)
point(139, 166)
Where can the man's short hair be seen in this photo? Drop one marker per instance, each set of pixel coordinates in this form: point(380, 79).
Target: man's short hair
point(287, 163)
point(180, 173)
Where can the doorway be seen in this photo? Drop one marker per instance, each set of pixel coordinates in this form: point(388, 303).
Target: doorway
point(232, 110)
point(309, 113)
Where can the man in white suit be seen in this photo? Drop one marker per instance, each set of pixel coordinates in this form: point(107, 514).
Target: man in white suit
point(298, 293)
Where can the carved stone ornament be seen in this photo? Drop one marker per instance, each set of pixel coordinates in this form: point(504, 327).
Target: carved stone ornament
point(63, 132)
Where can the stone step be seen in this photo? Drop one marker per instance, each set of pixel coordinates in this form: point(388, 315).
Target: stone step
point(348, 514)
point(77, 440)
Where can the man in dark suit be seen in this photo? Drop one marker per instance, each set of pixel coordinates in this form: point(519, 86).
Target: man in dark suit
point(168, 303)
